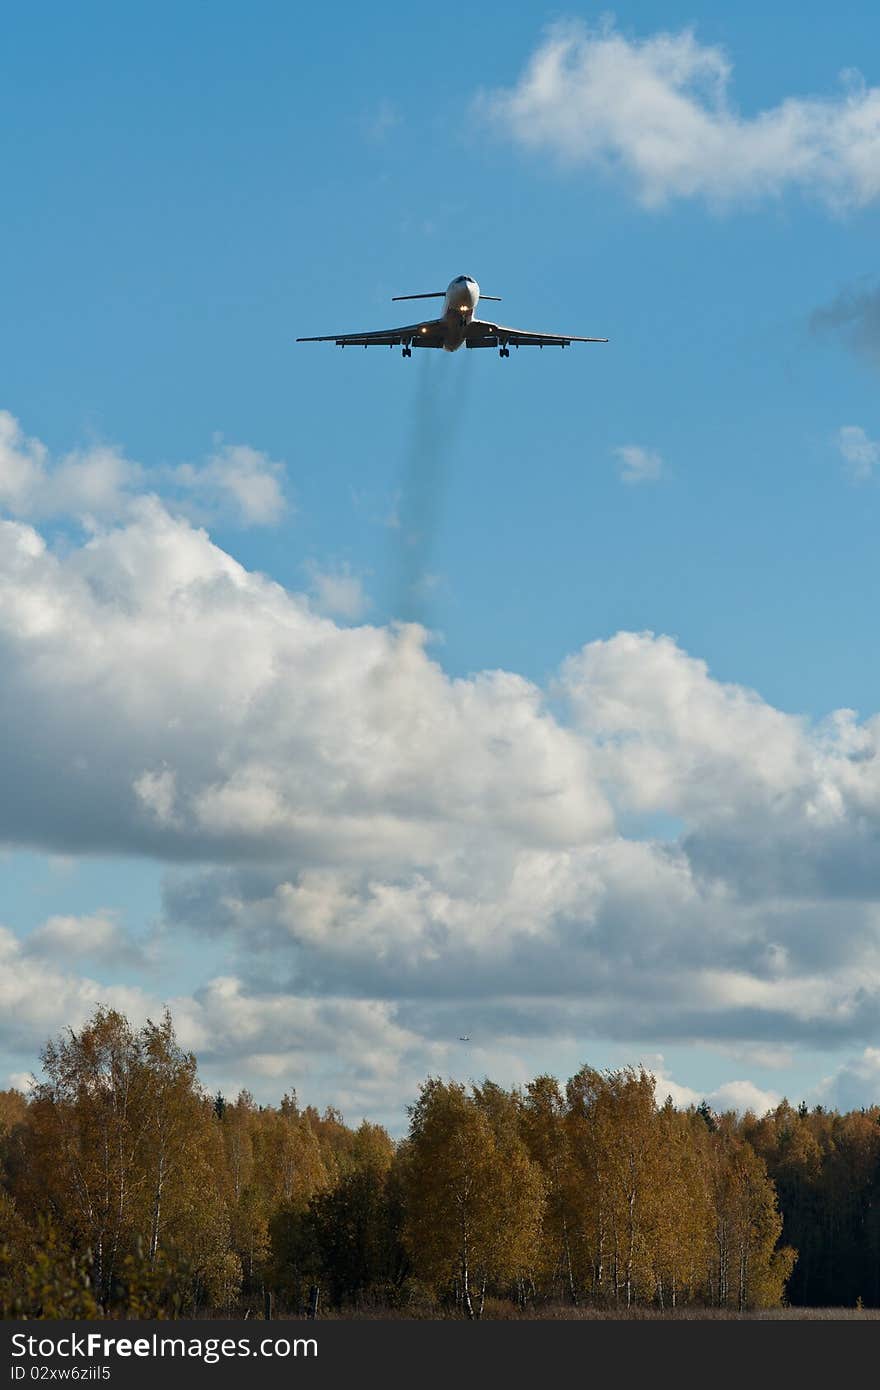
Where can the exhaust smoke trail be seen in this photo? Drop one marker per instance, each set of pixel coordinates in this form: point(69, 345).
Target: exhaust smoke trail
point(439, 409)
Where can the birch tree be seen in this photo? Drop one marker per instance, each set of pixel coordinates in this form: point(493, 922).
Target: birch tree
point(474, 1199)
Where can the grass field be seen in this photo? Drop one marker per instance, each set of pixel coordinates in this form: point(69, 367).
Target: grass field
point(499, 1311)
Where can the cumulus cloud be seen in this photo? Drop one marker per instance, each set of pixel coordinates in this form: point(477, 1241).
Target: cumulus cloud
point(673, 739)
point(361, 1053)
point(64, 938)
point(861, 454)
point(348, 823)
point(39, 996)
point(20, 1081)
point(95, 483)
point(742, 1096)
point(239, 478)
point(641, 951)
point(382, 829)
point(177, 704)
point(732, 1095)
point(273, 1034)
point(342, 1050)
point(22, 464)
point(337, 592)
point(638, 465)
point(659, 111)
point(101, 485)
point(854, 1084)
point(780, 812)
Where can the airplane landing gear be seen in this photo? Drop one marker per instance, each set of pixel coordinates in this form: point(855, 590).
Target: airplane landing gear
point(504, 352)
point(407, 352)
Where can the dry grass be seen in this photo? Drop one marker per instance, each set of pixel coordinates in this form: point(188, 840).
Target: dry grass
point(500, 1311)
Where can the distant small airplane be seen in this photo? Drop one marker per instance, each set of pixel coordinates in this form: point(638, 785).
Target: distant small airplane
point(455, 326)
point(465, 1038)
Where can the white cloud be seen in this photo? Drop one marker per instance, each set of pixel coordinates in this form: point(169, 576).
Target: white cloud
point(337, 592)
point(341, 1050)
point(742, 1096)
point(271, 1031)
point(64, 938)
point(39, 996)
point(418, 830)
point(20, 1081)
point(157, 791)
point(674, 740)
point(358, 825)
point(22, 464)
point(638, 465)
point(659, 110)
point(862, 454)
point(94, 483)
point(179, 705)
point(732, 1095)
point(100, 485)
point(854, 1084)
point(365, 1054)
point(237, 477)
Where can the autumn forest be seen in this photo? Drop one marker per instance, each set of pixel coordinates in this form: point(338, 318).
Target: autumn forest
point(127, 1190)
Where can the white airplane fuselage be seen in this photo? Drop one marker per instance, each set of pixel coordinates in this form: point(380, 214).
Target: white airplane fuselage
point(459, 307)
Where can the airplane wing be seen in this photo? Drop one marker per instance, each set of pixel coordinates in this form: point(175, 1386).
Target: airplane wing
point(483, 334)
point(429, 333)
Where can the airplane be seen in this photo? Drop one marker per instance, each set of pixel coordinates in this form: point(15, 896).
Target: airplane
point(465, 1038)
point(456, 325)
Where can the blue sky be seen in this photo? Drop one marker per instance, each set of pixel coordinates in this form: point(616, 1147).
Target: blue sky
point(188, 189)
